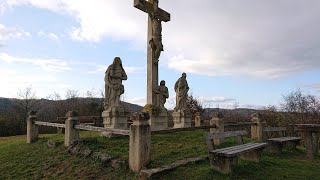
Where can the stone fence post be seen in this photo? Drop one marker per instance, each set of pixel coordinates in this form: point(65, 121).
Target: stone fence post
point(32, 128)
point(257, 127)
point(140, 142)
point(217, 119)
point(197, 120)
point(71, 134)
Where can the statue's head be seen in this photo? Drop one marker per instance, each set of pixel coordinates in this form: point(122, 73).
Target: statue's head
point(162, 83)
point(117, 61)
point(184, 75)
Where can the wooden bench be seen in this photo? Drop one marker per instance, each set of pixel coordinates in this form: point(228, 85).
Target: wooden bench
point(224, 159)
point(276, 144)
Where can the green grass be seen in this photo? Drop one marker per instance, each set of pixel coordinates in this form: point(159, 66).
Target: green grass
point(19, 160)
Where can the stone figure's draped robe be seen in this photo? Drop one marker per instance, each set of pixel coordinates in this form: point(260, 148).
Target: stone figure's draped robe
point(181, 88)
point(113, 84)
point(162, 95)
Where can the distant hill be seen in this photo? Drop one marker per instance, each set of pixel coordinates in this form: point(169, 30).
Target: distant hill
point(9, 103)
point(6, 103)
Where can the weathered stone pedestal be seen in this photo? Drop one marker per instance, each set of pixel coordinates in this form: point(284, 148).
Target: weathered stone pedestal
point(71, 134)
point(198, 120)
point(140, 142)
point(159, 121)
point(32, 128)
point(115, 118)
point(181, 118)
point(217, 119)
point(257, 127)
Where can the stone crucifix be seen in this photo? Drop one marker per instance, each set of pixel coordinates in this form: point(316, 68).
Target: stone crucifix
point(156, 16)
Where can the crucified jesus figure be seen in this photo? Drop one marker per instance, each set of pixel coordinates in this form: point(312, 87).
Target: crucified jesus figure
point(156, 40)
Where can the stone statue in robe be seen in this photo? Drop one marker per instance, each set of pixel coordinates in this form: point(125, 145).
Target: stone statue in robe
point(113, 83)
point(162, 94)
point(181, 88)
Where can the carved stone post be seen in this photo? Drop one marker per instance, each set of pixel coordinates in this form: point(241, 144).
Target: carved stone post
point(217, 119)
point(71, 134)
point(32, 129)
point(257, 127)
point(197, 120)
point(140, 142)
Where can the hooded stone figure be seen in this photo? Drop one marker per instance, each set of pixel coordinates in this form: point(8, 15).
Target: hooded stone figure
point(113, 83)
point(181, 88)
point(162, 94)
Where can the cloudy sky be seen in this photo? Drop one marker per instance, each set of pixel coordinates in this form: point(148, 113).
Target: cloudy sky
point(246, 51)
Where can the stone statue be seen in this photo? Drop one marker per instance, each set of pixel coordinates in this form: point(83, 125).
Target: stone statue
point(156, 41)
point(113, 83)
point(162, 94)
point(181, 88)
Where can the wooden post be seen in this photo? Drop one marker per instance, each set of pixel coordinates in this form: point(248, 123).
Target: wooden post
point(32, 129)
point(140, 142)
point(71, 134)
point(217, 119)
point(257, 127)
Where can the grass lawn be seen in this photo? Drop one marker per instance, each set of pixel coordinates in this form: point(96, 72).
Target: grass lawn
point(19, 160)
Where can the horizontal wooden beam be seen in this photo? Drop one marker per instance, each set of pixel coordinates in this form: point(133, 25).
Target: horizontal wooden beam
point(173, 130)
point(40, 123)
point(225, 134)
point(101, 129)
point(274, 129)
point(148, 173)
point(239, 124)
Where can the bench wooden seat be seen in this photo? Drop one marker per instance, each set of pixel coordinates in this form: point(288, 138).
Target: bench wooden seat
point(276, 144)
point(225, 158)
point(236, 150)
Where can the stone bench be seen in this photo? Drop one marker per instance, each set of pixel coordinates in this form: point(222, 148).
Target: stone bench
point(276, 144)
point(224, 159)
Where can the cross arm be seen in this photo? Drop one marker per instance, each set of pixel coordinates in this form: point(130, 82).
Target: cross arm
point(163, 15)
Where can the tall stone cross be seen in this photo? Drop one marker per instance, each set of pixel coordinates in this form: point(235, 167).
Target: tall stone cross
point(156, 15)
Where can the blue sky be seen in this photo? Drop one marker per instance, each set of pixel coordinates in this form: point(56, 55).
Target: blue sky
point(245, 52)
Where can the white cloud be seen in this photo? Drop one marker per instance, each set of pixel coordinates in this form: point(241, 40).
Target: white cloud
point(215, 99)
point(49, 35)
point(8, 33)
point(97, 19)
point(265, 39)
point(128, 69)
point(313, 86)
point(13, 80)
point(138, 100)
point(51, 65)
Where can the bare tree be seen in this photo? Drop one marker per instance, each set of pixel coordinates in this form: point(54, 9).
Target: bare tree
point(194, 104)
point(302, 103)
point(72, 99)
point(26, 102)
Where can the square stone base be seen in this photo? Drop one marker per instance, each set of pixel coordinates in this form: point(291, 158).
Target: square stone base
point(181, 119)
point(115, 118)
point(160, 121)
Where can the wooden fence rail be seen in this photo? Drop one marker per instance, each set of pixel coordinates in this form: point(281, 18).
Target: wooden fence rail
point(173, 130)
point(101, 129)
point(239, 124)
point(58, 125)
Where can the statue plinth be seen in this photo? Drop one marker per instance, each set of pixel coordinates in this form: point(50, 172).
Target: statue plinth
point(159, 121)
point(181, 118)
point(114, 117)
